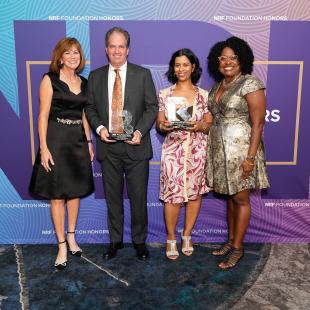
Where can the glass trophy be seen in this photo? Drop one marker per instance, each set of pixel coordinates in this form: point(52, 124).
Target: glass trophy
point(179, 113)
point(120, 127)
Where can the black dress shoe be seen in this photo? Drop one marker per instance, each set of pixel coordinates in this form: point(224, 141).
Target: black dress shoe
point(142, 251)
point(112, 250)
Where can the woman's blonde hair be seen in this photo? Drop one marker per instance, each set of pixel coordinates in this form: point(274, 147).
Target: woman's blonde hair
point(62, 46)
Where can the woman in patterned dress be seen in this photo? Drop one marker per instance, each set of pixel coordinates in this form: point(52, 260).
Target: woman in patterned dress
point(182, 176)
point(235, 157)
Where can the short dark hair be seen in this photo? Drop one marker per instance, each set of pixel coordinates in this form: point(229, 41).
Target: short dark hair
point(119, 30)
point(193, 60)
point(240, 47)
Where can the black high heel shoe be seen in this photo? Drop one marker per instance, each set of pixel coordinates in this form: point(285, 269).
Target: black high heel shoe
point(77, 253)
point(61, 266)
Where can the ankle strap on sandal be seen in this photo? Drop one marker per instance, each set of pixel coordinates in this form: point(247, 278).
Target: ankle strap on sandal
point(187, 238)
point(70, 232)
point(62, 242)
point(171, 241)
point(173, 248)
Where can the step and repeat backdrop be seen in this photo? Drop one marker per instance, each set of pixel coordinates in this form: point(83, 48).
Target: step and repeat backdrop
point(279, 33)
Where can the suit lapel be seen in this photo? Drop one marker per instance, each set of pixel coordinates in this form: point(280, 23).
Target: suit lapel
point(105, 91)
point(128, 86)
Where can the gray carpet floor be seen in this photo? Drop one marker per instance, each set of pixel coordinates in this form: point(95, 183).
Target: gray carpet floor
point(268, 277)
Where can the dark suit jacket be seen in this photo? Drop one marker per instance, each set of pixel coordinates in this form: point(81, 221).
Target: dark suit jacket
point(140, 100)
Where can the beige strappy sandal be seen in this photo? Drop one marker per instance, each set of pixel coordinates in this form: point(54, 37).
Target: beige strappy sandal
point(173, 254)
point(187, 249)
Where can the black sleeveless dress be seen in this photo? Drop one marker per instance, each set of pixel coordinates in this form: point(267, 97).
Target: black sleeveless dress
point(71, 176)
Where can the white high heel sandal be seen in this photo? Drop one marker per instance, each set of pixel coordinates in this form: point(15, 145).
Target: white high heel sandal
point(173, 254)
point(187, 249)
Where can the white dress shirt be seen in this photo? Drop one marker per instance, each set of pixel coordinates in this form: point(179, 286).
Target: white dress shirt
point(111, 80)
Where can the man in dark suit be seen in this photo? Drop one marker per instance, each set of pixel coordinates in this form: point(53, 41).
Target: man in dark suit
point(131, 157)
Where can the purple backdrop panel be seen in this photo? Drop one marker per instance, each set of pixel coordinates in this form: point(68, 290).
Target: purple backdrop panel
point(273, 220)
point(31, 43)
point(284, 99)
point(288, 43)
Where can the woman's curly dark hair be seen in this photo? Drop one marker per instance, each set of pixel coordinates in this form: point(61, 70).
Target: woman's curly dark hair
point(240, 47)
point(193, 60)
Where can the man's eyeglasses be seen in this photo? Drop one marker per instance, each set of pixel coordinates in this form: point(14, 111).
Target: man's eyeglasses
point(233, 58)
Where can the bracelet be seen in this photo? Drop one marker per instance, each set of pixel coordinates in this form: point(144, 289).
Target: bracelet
point(250, 157)
point(251, 164)
point(90, 141)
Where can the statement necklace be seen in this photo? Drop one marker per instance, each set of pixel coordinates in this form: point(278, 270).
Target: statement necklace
point(229, 84)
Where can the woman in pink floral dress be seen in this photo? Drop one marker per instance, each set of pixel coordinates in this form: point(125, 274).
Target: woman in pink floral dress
point(182, 176)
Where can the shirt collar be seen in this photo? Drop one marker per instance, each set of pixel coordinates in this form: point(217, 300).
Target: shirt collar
point(121, 68)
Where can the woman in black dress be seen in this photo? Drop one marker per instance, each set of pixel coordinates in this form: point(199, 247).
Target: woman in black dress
point(62, 171)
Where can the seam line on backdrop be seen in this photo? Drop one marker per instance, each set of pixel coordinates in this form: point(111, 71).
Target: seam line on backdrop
point(107, 271)
point(23, 295)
